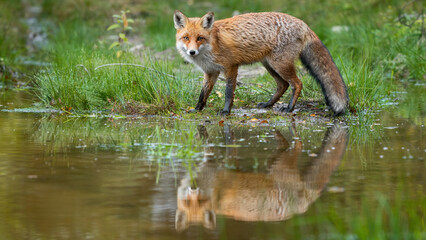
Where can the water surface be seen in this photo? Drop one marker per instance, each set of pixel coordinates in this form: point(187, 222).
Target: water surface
point(63, 177)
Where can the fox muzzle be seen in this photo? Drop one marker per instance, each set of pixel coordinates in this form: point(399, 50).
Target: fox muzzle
point(192, 52)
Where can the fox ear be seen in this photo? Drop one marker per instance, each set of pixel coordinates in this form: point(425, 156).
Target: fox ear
point(179, 19)
point(207, 20)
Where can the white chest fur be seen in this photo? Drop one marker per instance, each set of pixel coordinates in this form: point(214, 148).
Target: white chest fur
point(204, 60)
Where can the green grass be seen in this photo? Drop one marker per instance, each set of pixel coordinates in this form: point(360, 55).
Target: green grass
point(375, 54)
point(12, 42)
point(81, 80)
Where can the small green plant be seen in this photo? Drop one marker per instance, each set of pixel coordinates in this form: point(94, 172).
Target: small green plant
point(123, 25)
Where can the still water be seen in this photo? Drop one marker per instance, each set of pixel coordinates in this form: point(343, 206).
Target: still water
point(63, 177)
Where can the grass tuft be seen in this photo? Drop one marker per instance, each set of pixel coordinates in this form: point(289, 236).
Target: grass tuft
point(87, 76)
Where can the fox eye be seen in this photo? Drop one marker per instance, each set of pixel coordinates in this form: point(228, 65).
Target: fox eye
point(200, 38)
point(186, 38)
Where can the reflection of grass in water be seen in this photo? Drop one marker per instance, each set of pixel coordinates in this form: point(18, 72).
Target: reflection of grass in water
point(377, 217)
point(369, 130)
point(167, 149)
point(169, 144)
point(87, 133)
point(166, 140)
point(413, 106)
point(119, 135)
point(383, 218)
point(179, 145)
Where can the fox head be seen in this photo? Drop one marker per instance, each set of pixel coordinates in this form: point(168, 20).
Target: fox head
point(193, 209)
point(193, 34)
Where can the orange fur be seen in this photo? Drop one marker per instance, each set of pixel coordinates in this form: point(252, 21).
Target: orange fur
point(275, 39)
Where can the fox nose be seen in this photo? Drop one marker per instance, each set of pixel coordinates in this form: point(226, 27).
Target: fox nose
point(192, 52)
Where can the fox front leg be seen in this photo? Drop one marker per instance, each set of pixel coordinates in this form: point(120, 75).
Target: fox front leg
point(208, 83)
point(231, 83)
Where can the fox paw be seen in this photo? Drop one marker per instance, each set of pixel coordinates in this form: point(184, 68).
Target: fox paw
point(285, 109)
point(263, 105)
point(223, 113)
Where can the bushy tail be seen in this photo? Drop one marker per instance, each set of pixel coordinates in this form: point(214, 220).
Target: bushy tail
point(317, 59)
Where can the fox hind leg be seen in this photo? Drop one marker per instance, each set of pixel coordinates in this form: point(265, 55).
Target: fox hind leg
point(282, 86)
point(296, 87)
point(287, 71)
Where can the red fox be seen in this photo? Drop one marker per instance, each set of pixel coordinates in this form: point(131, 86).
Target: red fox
point(274, 39)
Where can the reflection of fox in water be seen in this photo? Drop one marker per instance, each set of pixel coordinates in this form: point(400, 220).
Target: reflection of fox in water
point(277, 195)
